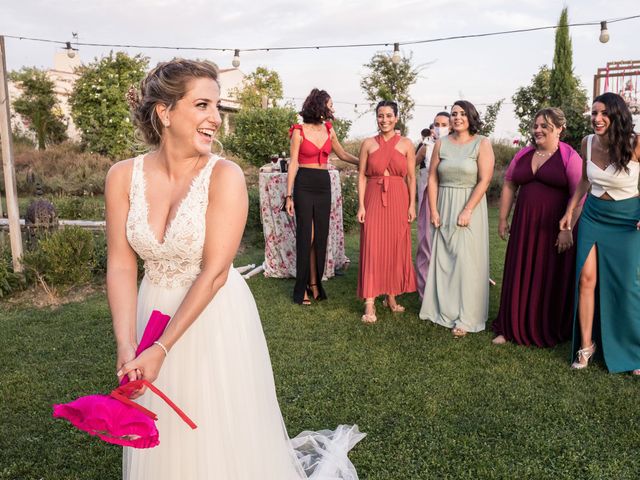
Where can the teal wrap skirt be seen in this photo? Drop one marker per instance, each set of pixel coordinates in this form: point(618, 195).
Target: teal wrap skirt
point(611, 227)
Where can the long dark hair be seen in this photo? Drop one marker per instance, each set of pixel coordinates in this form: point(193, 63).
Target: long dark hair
point(475, 124)
point(620, 135)
point(314, 108)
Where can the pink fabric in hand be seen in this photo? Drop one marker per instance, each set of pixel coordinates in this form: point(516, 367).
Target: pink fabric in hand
point(115, 418)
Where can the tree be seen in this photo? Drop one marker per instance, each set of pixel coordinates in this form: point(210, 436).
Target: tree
point(388, 81)
point(558, 87)
point(260, 133)
point(262, 83)
point(528, 100)
point(98, 104)
point(38, 105)
point(489, 118)
point(341, 126)
point(565, 89)
point(562, 83)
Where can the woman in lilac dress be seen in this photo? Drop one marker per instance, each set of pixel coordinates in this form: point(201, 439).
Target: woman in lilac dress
point(536, 305)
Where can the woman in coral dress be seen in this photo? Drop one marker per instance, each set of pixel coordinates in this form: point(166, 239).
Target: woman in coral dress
point(386, 196)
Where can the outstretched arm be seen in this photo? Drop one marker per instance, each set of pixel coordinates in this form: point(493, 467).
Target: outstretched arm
point(341, 152)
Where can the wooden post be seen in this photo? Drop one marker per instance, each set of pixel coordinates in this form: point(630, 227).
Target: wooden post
point(15, 235)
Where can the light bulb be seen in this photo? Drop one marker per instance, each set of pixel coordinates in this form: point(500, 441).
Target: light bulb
point(71, 53)
point(395, 58)
point(236, 59)
point(604, 32)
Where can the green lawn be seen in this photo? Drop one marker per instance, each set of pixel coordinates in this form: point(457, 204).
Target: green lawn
point(432, 406)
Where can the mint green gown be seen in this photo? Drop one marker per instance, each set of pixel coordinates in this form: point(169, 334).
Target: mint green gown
point(456, 293)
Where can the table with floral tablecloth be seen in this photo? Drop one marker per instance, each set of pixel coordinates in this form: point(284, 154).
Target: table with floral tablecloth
point(280, 229)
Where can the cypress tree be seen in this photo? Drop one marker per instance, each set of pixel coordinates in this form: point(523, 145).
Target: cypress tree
point(562, 83)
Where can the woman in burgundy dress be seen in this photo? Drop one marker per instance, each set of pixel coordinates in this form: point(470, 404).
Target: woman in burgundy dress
point(386, 197)
point(536, 305)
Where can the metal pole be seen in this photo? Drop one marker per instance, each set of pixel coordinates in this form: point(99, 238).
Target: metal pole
point(15, 235)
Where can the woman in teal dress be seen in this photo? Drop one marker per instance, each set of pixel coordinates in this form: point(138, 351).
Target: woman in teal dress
point(456, 294)
point(608, 250)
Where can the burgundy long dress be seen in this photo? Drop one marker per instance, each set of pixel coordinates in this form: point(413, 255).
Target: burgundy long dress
point(536, 304)
point(386, 266)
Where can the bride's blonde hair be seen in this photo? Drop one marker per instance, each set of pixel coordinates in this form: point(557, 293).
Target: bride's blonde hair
point(164, 85)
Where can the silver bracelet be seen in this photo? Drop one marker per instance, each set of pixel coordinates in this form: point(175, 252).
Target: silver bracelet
point(164, 349)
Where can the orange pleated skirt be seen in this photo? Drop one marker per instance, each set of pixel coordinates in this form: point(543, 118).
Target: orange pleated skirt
point(386, 266)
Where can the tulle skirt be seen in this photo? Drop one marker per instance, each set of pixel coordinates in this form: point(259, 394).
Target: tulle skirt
point(219, 373)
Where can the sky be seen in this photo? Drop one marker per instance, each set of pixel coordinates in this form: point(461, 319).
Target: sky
point(481, 70)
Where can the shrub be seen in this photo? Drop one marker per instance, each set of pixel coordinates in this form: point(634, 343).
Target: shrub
point(253, 230)
point(341, 126)
point(100, 255)
point(260, 133)
point(61, 170)
point(79, 208)
point(350, 201)
point(98, 104)
point(66, 257)
point(9, 280)
point(503, 152)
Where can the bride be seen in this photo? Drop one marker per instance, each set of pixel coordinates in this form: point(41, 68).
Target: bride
point(183, 211)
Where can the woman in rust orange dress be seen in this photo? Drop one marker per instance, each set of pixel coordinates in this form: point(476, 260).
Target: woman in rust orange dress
point(386, 197)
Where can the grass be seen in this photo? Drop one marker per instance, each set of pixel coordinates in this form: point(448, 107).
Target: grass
point(432, 406)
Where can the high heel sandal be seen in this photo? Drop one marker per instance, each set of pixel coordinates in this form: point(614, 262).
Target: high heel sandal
point(310, 291)
point(369, 318)
point(584, 355)
point(397, 308)
point(458, 332)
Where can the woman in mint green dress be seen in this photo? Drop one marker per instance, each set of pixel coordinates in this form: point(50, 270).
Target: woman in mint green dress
point(456, 294)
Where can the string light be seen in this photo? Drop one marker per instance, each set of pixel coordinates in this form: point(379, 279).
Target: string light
point(236, 58)
point(395, 58)
point(604, 32)
point(71, 52)
point(318, 47)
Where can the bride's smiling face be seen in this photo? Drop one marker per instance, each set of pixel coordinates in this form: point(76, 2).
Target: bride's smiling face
point(195, 118)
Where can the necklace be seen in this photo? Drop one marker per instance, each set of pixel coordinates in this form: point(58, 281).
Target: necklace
point(546, 154)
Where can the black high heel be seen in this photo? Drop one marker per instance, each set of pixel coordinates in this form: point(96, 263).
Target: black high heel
point(310, 291)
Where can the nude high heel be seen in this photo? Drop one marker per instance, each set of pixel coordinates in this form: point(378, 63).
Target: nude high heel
point(583, 356)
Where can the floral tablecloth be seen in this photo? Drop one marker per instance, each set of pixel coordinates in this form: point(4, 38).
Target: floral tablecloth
point(280, 229)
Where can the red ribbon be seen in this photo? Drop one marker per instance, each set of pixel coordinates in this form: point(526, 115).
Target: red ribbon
point(124, 392)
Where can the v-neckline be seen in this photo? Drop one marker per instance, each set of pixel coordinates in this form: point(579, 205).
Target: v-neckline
point(543, 163)
point(599, 167)
point(319, 148)
point(169, 224)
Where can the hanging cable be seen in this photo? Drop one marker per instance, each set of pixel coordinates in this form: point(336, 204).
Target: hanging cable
point(319, 47)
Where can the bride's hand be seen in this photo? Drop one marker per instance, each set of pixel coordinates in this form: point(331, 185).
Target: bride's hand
point(145, 366)
point(125, 353)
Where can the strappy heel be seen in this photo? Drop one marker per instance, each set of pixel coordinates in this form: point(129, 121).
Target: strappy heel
point(583, 356)
point(397, 308)
point(369, 318)
point(458, 332)
point(310, 291)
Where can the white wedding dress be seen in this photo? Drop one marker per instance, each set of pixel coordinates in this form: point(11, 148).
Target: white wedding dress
point(219, 372)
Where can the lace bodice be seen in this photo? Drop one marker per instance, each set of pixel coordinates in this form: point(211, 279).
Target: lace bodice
point(176, 261)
